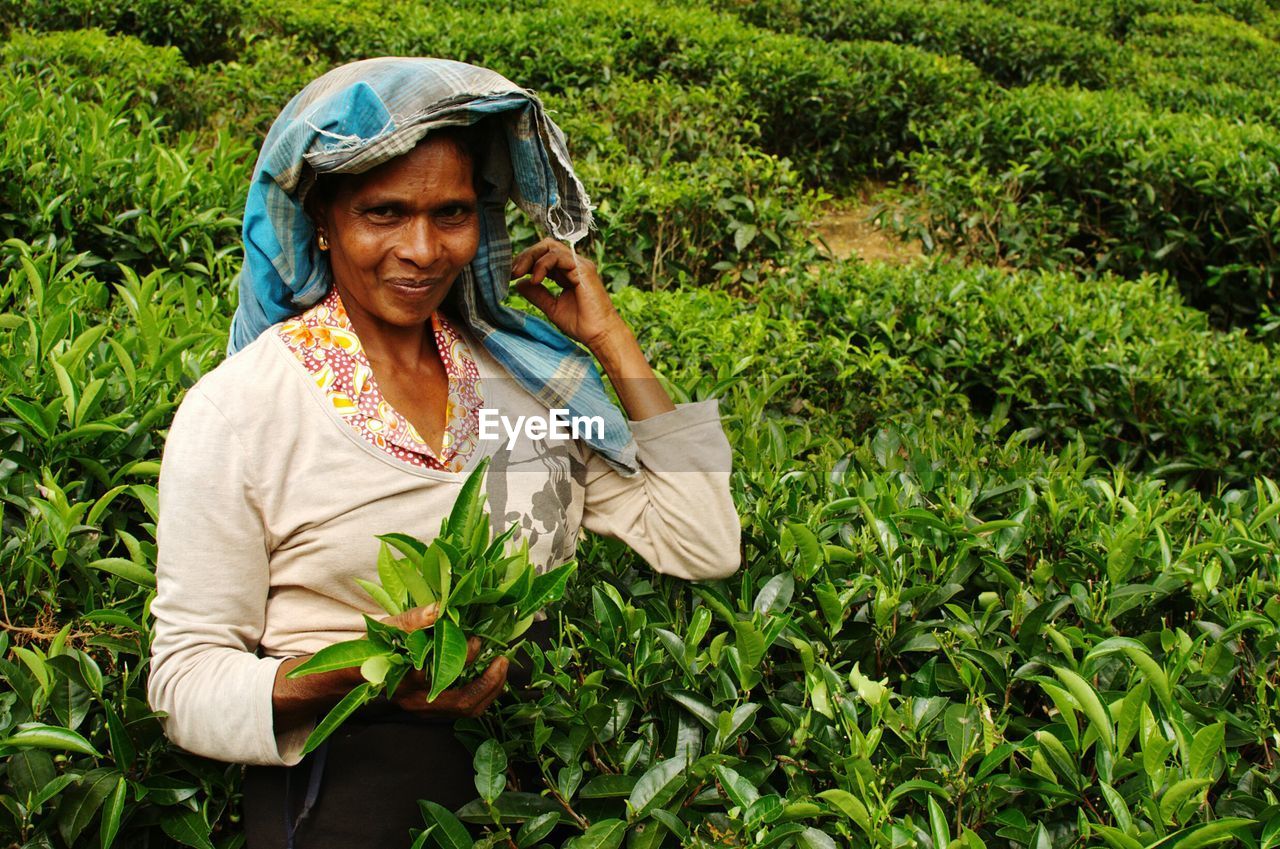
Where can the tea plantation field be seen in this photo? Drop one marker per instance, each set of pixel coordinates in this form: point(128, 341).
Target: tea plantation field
point(1011, 522)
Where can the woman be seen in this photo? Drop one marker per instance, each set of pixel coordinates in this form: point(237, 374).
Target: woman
point(369, 341)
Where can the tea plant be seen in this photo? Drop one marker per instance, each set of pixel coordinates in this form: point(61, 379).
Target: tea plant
point(494, 598)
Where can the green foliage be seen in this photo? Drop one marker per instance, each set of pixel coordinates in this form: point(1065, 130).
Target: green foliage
point(1117, 17)
point(1054, 178)
point(92, 65)
point(477, 589)
point(1010, 539)
point(922, 623)
point(835, 111)
point(202, 31)
point(1010, 49)
point(108, 180)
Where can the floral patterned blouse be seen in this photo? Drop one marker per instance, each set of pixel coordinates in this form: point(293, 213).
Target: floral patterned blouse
point(326, 344)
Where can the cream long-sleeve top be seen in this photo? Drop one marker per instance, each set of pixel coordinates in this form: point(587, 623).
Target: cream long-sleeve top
point(270, 506)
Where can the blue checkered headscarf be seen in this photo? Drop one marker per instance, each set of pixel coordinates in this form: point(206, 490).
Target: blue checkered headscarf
point(362, 114)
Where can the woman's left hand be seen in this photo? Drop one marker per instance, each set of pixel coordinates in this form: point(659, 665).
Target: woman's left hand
point(583, 310)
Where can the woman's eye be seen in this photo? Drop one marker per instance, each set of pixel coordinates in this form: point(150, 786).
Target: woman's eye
point(381, 211)
point(455, 213)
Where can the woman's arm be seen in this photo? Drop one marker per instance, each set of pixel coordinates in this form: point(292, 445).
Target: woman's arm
point(584, 312)
point(678, 514)
point(298, 701)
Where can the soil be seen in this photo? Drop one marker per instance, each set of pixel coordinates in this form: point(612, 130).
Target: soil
point(844, 225)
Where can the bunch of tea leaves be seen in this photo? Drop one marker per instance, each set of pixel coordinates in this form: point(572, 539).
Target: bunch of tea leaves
point(479, 588)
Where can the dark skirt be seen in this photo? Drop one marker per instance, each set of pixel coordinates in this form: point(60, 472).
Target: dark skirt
point(361, 789)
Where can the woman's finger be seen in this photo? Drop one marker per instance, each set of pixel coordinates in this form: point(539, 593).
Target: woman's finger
point(537, 294)
point(495, 677)
point(547, 264)
point(473, 649)
point(414, 619)
point(524, 261)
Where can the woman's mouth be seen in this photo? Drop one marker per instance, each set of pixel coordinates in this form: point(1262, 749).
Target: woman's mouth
point(410, 286)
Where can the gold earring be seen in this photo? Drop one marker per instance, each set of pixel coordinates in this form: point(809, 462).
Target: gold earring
point(322, 242)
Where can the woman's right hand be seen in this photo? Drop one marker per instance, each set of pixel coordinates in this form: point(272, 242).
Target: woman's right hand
point(464, 700)
point(297, 700)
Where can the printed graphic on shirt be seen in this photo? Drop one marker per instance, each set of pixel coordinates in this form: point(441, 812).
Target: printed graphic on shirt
point(326, 344)
point(549, 506)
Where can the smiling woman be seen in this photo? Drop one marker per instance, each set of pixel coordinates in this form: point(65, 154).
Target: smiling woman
point(398, 236)
point(369, 337)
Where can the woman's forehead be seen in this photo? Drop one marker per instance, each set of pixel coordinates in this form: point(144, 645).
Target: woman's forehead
point(437, 162)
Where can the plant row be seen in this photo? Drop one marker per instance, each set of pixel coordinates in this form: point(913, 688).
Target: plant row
point(1092, 181)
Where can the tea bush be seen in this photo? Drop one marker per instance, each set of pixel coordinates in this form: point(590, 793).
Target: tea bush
point(1011, 538)
point(1010, 49)
point(834, 111)
point(1091, 180)
point(107, 180)
point(202, 31)
point(924, 649)
point(680, 195)
point(1122, 367)
point(1210, 49)
point(92, 65)
point(1116, 18)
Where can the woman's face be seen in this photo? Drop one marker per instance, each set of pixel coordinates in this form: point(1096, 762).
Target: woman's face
point(401, 233)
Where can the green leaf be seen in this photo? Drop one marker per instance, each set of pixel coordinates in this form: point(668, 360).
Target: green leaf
point(335, 717)
point(510, 807)
point(50, 737)
point(750, 643)
point(738, 789)
point(1119, 808)
point(1205, 748)
point(731, 724)
point(1154, 675)
point(775, 594)
point(419, 588)
point(468, 509)
point(417, 644)
point(389, 576)
point(80, 803)
point(490, 764)
point(1117, 838)
point(811, 553)
point(1087, 698)
point(812, 838)
point(449, 658)
point(126, 569)
point(122, 748)
point(1178, 793)
point(1203, 835)
point(111, 814)
point(342, 655)
point(703, 712)
point(609, 787)
point(536, 829)
point(603, 834)
point(850, 806)
point(657, 785)
point(381, 596)
point(938, 829)
point(449, 830)
point(375, 669)
point(547, 587)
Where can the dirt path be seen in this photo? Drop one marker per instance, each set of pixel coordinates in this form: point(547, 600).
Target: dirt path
point(842, 223)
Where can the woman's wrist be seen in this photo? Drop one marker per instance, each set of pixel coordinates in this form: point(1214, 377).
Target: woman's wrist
point(614, 346)
point(638, 389)
point(296, 699)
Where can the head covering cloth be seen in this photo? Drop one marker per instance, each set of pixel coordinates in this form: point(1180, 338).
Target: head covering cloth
point(365, 113)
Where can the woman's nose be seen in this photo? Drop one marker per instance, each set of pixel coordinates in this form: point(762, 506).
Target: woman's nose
point(420, 244)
